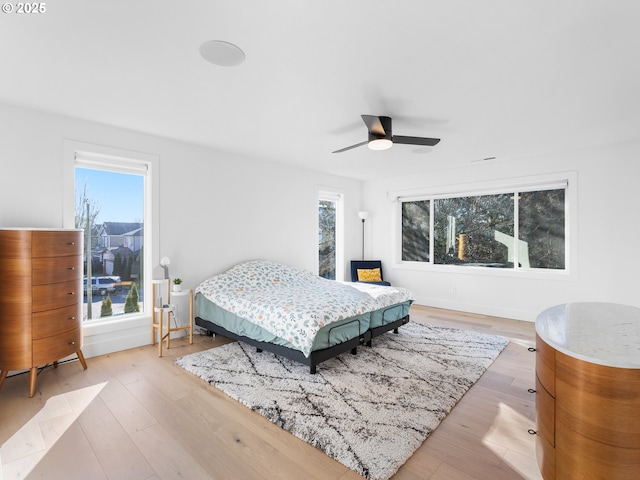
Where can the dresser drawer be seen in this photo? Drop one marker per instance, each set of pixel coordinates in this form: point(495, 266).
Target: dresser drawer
point(56, 269)
point(56, 295)
point(15, 244)
point(15, 337)
point(54, 322)
point(56, 243)
point(545, 413)
point(546, 456)
point(599, 402)
point(59, 346)
point(546, 366)
point(581, 458)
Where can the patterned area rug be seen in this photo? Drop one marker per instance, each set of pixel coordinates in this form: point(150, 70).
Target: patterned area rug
point(368, 411)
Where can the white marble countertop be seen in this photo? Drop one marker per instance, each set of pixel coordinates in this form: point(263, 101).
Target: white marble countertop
point(602, 333)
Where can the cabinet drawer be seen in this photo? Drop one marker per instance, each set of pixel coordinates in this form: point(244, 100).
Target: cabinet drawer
point(56, 269)
point(545, 413)
point(54, 322)
point(546, 456)
point(598, 401)
point(15, 244)
point(56, 295)
point(56, 243)
point(546, 365)
point(15, 338)
point(580, 458)
point(46, 350)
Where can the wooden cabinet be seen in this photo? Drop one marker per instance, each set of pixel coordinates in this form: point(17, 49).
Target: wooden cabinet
point(545, 409)
point(40, 299)
point(588, 413)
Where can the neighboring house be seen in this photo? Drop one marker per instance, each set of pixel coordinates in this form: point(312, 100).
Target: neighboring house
point(120, 234)
point(114, 237)
point(127, 257)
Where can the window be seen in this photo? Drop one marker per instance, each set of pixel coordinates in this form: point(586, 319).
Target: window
point(517, 229)
point(541, 228)
point(415, 230)
point(473, 230)
point(111, 207)
point(329, 235)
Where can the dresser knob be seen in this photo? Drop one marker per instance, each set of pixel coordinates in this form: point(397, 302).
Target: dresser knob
point(71, 318)
point(71, 293)
point(72, 268)
point(531, 349)
point(531, 390)
point(71, 243)
point(531, 431)
point(72, 343)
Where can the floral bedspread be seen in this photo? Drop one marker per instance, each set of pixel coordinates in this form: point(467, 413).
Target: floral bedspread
point(293, 303)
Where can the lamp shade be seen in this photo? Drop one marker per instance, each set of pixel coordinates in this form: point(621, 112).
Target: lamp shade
point(363, 215)
point(164, 261)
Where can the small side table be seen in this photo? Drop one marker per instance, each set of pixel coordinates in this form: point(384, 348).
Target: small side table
point(163, 313)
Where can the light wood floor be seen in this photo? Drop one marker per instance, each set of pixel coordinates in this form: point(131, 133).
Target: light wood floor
point(136, 416)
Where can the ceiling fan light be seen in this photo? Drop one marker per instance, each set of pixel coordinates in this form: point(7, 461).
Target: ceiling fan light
point(380, 144)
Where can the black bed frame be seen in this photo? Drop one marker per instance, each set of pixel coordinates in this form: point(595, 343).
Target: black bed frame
point(317, 356)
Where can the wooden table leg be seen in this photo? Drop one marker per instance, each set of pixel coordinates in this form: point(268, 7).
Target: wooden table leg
point(33, 375)
point(160, 338)
point(191, 317)
point(168, 328)
point(81, 358)
point(3, 375)
point(154, 326)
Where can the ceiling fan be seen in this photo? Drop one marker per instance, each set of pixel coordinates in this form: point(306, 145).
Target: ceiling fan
point(381, 138)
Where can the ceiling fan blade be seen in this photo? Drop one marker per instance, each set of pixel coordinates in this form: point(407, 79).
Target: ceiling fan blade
point(374, 125)
point(430, 142)
point(350, 147)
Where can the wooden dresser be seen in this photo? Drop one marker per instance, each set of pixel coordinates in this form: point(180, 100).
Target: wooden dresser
point(40, 299)
point(588, 392)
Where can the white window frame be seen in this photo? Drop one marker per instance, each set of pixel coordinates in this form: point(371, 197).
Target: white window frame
point(101, 336)
point(337, 197)
point(567, 180)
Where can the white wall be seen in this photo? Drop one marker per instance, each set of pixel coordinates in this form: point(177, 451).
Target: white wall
point(216, 209)
point(605, 257)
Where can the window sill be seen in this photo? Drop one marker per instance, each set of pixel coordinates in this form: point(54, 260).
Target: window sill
point(487, 271)
point(98, 326)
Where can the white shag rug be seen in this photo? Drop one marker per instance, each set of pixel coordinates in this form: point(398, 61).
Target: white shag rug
point(368, 411)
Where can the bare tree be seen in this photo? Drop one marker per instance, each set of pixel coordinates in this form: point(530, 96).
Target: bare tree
point(327, 235)
point(82, 199)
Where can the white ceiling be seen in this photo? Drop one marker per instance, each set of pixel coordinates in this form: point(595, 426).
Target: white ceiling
point(503, 78)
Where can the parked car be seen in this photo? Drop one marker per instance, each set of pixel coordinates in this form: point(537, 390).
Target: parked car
point(103, 285)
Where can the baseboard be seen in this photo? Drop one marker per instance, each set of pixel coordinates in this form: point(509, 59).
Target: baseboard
point(491, 310)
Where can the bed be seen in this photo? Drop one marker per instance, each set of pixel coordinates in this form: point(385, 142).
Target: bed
point(296, 314)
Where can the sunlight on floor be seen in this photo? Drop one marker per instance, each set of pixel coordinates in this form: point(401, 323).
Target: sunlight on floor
point(22, 452)
point(510, 429)
point(521, 342)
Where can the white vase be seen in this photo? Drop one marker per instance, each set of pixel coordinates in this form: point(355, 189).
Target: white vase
point(176, 288)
